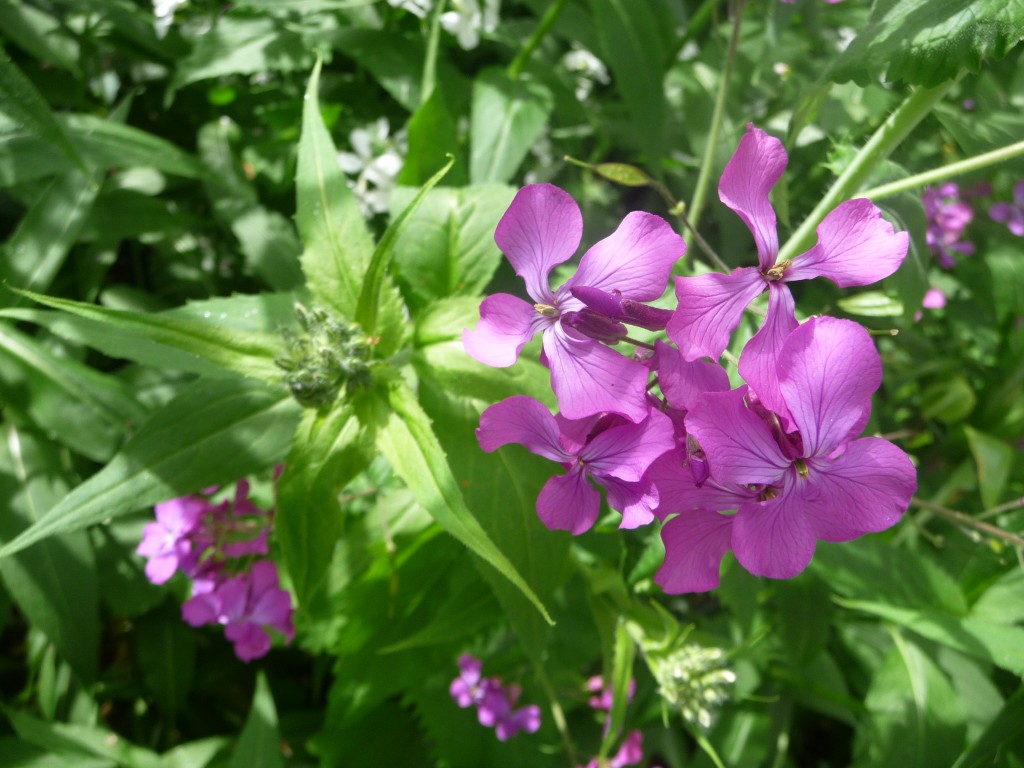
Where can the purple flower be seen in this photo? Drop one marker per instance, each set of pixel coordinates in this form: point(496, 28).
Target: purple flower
point(605, 695)
point(465, 688)
point(789, 489)
point(1011, 214)
point(948, 216)
point(494, 701)
point(168, 541)
point(541, 229)
point(630, 753)
point(613, 452)
point(856, 246)
point(246, 605)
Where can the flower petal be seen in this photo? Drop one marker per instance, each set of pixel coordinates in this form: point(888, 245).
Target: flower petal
point(541, 228)
point(635, 501)
point(569, 503)
point(523, 420)
point(758, 360)
point(682, 381)
point(856, 246)
point(828, 368)
point(506, 324)
point(774, 538)
point(740, 447)
point(678, 491)
point(710, 308)
point(635, 260)
point(748, 178)
point(626, 451)
point(695, 543)
point(865, 490)
point(590, 378)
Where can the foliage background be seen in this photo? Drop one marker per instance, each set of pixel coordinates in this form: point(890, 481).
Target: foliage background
point(174, 196)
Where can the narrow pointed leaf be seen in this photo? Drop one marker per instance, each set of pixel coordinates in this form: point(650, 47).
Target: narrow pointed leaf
point(213, 433)
point(258, 746)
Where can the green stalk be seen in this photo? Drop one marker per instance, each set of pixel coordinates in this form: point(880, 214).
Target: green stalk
point(888, 136)
point(946, 171)
point(430, 62)
point(547, 20)
point(707, 165)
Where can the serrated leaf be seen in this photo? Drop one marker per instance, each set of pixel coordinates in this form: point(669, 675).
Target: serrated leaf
point(329, 449)
point(506, 121)
point(54, 583)
point(917, 720)
point(258, 745)
point(407, 440)
point(926, 42)
point(36, 250)
point(213, 433)
point(248, 353)
point(20, 100)
point(338, 245)
point(448, 247)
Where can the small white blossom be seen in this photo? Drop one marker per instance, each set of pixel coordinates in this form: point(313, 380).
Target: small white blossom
point(588, 70)
point(374, 162)
point(164, 10)
point(418, 8)
point(468, 19)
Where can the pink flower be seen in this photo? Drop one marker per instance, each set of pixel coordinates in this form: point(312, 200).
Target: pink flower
point(1012, 215)
point(856, 246)
point(541, 229)
point(820, 482)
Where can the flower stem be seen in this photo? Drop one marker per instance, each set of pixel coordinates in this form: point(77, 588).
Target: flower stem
point(557, 713)
point(962, 519)
point(888, 136)
point(946, 171)
point(547, 20)
point(430, 60)
point(710, 150)
point(637, 342)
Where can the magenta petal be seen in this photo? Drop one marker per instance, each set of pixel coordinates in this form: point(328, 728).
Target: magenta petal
point(758, 361)
point(710, 308)
point(590, 378)
point(827, 370)
point(739, 446)
point(635, 260)
point(541, 228)
point(695, 543)
point(569, 503)
point(682, 381)
point(865, 490)
point(678, 491)
point(506, 324)
point(748, 178)
point(521, 419)
point(626, 451)
point(774, 538)
point(856, 246)
point(635, 501)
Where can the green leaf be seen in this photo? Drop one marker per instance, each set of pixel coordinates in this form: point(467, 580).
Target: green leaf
point(258, 746)
point(395, 61)
point(25, 105)
point(165, 648)
point(1002, 738)
point(245, 46)
point(25, 755)
point(622, 675)
point(39, 34)
point(631, 40)
point(194, 754)
point(507, 118)
point(85, 742)
point(88, 411)
point(108, 144)
point(433, 133)
point(917, 721)
point(948, 400)
point(407, 440)
point(329, 449)
point(994, 459)
point(36, 250)
point(338, 242)
point(369, 297)
point(926, 42)
point(249, 353)
point(998, 643)
point(54, 583)
point(448, 248)
point(213, 433)
point(871, 304)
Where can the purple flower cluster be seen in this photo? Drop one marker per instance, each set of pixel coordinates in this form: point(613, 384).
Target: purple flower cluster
point(631, 752)
point(948, 216)
point(1011, 214)
point(765, 469)
point(213, 544)
point(494, 701)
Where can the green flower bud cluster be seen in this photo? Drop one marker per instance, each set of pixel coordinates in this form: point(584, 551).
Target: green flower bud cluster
point(693, 679)
point(327, 355)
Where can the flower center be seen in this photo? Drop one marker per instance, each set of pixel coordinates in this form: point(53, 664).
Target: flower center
point(775, 273)
point(546, 310)
point(801, 468)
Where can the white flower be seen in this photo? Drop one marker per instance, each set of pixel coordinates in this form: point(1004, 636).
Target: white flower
point(467, 20)
point(164, 10)
point(588, 70)
point(375, 160)
point(418, 8)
